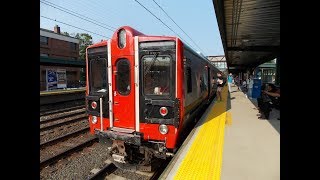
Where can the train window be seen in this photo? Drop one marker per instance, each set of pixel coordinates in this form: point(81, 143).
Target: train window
point(98, 75)
point(73, 46)
point(201, 83)
point(156, 71)
point(43, 40)
point(123, 77)
point(205, 80)
point(189, 81)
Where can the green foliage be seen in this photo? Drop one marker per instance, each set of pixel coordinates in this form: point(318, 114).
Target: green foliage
point(85, 41)
point(66, 33)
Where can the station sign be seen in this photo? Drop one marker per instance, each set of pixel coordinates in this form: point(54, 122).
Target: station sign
point(51, 78)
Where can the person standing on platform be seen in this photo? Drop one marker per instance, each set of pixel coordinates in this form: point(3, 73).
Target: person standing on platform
point(230, 79)
point(237, 82)
point(244, 86)
point(219, 86)
point(250, 86)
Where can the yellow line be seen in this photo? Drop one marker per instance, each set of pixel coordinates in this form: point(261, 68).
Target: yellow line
point(204, 158)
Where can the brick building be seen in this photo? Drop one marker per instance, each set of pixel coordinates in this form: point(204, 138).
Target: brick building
point(59, 54)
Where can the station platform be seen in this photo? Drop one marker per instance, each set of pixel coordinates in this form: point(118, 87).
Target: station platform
point(62, 95)
point(62, 91)
point(229, 142)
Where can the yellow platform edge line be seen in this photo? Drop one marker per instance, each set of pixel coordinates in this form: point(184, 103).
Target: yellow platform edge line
point(204, 158)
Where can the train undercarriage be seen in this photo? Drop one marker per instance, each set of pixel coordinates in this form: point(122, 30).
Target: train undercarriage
point(130, 153)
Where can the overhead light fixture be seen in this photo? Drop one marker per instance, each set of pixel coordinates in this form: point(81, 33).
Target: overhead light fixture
point(245, 40)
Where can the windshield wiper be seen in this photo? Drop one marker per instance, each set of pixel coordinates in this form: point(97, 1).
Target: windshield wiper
point(147, 69)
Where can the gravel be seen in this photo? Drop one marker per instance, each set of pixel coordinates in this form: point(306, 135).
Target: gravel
point(129, 175)
point(62, 114)
point(77, 166)
point(60, 131)
point(62, 120)
point(63, 145)
point(50, 112)
point(61, 105)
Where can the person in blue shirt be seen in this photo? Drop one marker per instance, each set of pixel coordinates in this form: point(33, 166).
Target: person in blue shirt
point(230, 79)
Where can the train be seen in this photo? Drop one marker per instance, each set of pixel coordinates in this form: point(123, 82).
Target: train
point(142, 92)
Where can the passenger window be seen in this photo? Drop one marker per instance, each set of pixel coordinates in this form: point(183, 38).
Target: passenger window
point(201, 83)
point(189, 81)
point(123, 77)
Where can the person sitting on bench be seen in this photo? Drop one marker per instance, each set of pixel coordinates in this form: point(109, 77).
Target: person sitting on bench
point(270, 98)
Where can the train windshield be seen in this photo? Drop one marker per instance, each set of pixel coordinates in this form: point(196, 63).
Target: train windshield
point(98, 78)
point(98, 75)
point(156, 71)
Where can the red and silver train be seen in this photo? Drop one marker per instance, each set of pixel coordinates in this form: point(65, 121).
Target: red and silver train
point(142, 92)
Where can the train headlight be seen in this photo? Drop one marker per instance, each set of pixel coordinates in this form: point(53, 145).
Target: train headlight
point(163, 111)
point(94, 119)
point(163, 129)
point(94, 105)
point(122, 38)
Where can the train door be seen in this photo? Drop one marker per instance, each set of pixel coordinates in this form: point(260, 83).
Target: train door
point(123, 93)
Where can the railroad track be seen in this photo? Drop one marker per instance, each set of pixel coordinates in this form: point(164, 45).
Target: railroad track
point(69, 146)
point(60, 106)
point(61, 122)
point(55, 111)
point(100, 174)
point(108, 172)
point(60, 115)
point(63, 137)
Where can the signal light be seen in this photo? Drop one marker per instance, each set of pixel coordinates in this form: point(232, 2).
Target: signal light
point(163, 129)
point(94, 119)
point(163, 111)
point(94, 105)
point(122, 38)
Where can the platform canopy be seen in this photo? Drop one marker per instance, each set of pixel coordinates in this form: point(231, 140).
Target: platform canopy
point(250, 31)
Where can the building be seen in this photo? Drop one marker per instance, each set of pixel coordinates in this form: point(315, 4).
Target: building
point(219, 62)
point(60, 66)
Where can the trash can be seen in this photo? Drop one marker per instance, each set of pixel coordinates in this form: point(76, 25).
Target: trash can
point(256, 89)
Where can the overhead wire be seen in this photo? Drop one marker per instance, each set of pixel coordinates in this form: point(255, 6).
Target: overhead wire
point(177, 24)
point(60, 8)
point(74, 26)
point(162, 22)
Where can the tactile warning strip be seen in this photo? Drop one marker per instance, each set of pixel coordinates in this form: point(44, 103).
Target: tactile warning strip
point(204, 158)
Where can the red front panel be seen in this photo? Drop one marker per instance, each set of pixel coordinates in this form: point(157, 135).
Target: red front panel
point(97, 125)
point(180, 80)
point(151, 132)
point(124, 104)
point(123, 92)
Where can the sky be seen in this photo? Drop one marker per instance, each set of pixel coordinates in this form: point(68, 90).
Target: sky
point(196, 18)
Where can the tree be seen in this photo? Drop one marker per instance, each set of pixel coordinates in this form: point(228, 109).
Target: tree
point(85, 41)
point(66, 33)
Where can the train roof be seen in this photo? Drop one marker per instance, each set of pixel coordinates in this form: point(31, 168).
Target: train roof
point(197, 53)
point(99, 44)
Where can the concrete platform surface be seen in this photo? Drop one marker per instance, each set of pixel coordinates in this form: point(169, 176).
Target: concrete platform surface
point(251, 145)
